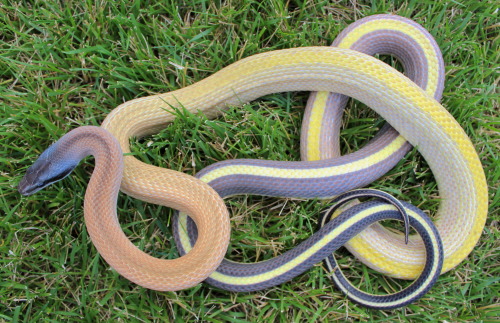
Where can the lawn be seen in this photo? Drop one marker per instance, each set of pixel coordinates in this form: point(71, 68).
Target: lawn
point(65, 64)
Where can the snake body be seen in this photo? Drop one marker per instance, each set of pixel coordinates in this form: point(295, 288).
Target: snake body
point(334, 174)
point(422, 62)
point(241, 277)
point(412, 112)
point(425, 228)
point(101, 219)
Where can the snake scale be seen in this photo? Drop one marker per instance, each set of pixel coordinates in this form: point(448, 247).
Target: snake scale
point(412, 112)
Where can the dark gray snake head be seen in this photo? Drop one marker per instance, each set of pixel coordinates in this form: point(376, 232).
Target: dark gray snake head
point(50, 167)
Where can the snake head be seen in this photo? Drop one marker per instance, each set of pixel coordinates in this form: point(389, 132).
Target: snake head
point(47, 169)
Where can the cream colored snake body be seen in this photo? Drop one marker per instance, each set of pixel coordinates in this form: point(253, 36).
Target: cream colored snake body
point(413, 113)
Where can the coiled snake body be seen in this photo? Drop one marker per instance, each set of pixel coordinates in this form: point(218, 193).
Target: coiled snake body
point(411, 111)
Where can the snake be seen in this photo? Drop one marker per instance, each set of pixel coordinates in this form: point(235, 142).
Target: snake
point(326, 173)
point(333, 233)
point(412, 112)
point(101, 219)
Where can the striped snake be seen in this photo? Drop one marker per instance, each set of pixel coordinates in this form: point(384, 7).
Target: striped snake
point(412, 112)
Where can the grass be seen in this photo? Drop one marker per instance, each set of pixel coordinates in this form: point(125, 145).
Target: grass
point(69, 63)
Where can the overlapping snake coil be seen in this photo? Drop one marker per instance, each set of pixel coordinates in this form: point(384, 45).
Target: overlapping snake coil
point(409, 108)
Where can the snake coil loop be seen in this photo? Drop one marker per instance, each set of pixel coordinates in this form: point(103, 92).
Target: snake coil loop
point(388, 210)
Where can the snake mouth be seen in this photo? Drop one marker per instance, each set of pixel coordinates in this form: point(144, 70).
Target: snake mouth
point(27, 188)
point(44, 173)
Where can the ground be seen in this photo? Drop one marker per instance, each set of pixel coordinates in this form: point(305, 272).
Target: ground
point(69, 63)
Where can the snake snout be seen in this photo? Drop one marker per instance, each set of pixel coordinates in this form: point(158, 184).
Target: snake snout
point(31, 182)
point(45, 171)
point(24, 187)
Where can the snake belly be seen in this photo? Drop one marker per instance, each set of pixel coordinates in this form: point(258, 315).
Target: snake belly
point(413, 113)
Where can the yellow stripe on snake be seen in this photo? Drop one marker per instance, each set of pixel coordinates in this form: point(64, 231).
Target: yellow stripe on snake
point(415, 114)
point(418, 117)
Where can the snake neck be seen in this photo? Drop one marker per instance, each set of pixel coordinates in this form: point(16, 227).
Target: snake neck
point(105, 181)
